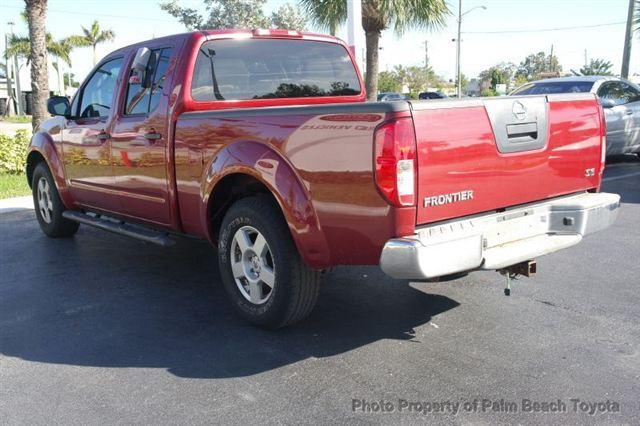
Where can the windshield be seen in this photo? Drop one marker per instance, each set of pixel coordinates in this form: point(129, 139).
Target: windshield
point(549, 88)
point(271, 68)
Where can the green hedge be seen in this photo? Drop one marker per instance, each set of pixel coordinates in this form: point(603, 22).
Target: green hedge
point(13, 152)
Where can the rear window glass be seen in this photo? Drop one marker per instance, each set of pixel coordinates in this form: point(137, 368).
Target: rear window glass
point(268, 68)
point(556, 87)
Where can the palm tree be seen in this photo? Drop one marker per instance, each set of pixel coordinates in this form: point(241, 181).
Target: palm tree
point(92, 37)
point(36, 14)
point(60, 49)
point(21, 46)
point(377, 16)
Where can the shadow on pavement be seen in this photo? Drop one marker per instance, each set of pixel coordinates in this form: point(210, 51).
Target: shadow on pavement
point(103, 300)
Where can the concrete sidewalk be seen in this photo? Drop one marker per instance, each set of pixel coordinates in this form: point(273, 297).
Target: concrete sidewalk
point(9, 205)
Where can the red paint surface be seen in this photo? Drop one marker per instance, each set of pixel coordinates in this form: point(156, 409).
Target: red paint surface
point(457, 152)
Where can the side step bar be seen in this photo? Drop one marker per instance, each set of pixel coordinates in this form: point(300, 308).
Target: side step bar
point(118, 227)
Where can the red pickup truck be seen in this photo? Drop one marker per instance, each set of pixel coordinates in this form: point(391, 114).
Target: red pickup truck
point(262, 143)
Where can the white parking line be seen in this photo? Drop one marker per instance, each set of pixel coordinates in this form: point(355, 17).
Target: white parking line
point(607, 179)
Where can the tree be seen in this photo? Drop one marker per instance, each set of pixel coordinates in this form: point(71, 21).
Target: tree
point(636, 19)
point(389, 81)
point(498, 74)
point(92, 37)
point(20, 46)
point(464, 82)
point(326, 13)
point(377, 16)
point(36, 13)
point(70, 80)
point(236, 14)
point(288, 17)
point(535, 64)
point(597, 67)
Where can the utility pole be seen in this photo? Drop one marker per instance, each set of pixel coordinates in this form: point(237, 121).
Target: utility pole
point(426, 54)
point(458, 82)
point(458, 40)
point(551, 60)
point(16, 74)
point(9, 111)
point(626, 54)
point(586, 62)
point(354, 29)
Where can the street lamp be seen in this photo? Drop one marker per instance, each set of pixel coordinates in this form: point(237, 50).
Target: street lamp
point(460, 15)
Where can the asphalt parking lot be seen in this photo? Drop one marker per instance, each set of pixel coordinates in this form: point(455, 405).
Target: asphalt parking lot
point(103, 329)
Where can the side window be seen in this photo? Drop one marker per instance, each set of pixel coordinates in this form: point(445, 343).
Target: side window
point(97, 94)
point(74, 104)
point(614, 91)
point(630, 93)
point(144, 96)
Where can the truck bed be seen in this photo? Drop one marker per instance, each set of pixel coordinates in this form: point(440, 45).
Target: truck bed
point(322, 158)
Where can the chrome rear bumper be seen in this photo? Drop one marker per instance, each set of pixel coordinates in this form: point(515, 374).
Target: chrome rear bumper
point(497, 240)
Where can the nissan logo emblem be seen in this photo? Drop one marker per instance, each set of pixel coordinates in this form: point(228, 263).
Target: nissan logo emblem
point(519, 111)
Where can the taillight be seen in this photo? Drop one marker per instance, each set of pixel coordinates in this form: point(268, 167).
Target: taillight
point(259, 32)
point(603, 137)
point(395, 162)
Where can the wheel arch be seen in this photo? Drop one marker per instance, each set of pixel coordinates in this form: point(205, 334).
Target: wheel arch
point(42, 149)
point(248, 168)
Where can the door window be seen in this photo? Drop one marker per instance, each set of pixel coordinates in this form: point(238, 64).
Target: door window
point(97, 94)
point(144, 96)
point(631, 93)
point(619, 92)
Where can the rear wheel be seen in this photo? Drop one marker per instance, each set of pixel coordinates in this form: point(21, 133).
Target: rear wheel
point(48, 205)
point(262, 272)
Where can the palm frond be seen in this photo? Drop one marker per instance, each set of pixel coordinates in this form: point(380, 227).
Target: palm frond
point(326, 14)
point(77, 41)
point(403, 15)
point(18, 46)
point(105, 35)
point(93, 35)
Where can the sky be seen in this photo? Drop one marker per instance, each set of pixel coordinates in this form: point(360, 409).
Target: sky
point(507, 31)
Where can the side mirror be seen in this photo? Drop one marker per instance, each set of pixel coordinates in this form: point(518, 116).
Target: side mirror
point(139, 67)
point(607, 103)
point(59, 105)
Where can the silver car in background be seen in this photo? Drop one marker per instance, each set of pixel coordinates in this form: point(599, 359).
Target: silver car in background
point(619, 98)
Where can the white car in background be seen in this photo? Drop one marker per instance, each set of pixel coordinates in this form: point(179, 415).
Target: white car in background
point(619, 98)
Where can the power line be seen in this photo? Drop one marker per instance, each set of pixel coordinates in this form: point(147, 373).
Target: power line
point(577, 27)
point(73, 12)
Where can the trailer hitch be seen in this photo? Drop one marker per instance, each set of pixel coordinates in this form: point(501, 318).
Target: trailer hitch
point(512, 272)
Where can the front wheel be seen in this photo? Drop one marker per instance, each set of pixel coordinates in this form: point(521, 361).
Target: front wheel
point(262, 272)
point(48, 205)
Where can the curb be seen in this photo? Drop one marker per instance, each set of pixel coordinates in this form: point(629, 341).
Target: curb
point(9, 205)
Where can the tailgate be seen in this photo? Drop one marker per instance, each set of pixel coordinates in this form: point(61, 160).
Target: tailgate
point(485, 154)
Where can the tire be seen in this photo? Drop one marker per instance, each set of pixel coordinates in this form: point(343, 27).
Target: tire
point(48, 205)
point(294, 290)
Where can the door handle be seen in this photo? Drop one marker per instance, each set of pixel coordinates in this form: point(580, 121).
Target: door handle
point(153, 136)
point(629, 112)
point(103, 136)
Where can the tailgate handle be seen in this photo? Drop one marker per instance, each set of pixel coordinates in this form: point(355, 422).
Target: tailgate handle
point(522, 132)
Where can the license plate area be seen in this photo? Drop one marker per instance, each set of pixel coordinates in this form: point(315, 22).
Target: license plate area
point(513, 226)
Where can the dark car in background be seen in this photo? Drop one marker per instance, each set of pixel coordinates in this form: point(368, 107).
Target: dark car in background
point(432, 95)
point(619, 98)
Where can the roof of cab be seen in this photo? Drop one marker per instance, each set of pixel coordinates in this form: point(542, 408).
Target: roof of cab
point(239, 33)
